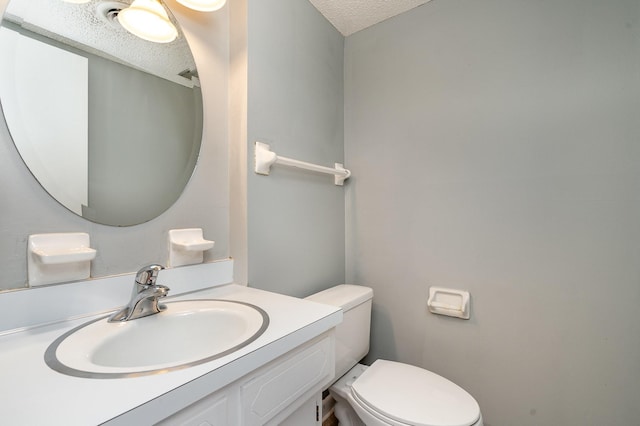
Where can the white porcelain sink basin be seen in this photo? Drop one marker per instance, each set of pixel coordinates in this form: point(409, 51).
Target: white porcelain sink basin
point(187, 333)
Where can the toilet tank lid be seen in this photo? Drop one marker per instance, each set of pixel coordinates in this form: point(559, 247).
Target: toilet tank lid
point(345, 296)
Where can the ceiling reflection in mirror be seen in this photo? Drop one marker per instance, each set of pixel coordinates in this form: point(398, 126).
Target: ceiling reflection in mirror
point(108, 123)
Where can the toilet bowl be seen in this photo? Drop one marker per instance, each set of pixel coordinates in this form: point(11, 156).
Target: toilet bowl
point(393, 393)
point(387, 392)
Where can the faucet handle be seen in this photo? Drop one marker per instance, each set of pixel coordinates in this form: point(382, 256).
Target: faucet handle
point(148, 274)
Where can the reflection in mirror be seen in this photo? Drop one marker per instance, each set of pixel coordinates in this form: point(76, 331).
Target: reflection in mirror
point(109, 124)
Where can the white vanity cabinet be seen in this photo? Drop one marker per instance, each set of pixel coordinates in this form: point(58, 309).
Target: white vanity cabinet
point(284, 391)
point(275, 380)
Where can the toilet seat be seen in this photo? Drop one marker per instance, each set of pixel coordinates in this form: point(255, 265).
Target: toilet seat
point(401, 394)
point(369, 415)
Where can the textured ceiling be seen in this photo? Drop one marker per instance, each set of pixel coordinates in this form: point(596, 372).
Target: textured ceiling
point(83, 26)
point(350, 16)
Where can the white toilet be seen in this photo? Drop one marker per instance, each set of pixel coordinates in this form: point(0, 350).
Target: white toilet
point(387, 392)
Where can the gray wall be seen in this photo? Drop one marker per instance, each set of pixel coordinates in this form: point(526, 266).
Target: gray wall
point(494, 147)
point(295, 103)
point(25, 208)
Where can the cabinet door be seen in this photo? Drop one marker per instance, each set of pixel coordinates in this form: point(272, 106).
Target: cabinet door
point(309, 414)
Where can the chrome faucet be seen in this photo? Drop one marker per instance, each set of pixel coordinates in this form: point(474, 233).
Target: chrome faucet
point(144, 297)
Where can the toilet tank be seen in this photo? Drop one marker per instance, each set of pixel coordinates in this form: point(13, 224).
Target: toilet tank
point(352, 335)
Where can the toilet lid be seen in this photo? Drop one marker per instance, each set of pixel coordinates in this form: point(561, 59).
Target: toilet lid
point(415, 396)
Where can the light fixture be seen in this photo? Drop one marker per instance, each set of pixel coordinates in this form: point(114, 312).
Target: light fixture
point(76, 1)
point(148, 20)
point(203, 5)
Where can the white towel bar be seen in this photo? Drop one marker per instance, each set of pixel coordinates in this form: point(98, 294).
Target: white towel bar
point(265, 158)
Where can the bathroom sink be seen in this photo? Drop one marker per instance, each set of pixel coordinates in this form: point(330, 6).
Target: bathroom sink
point(187, 333)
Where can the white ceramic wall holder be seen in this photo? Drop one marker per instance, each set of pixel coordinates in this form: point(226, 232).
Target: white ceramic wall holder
point(450, 302)
point(57, 258)
point(265, 158)
point(187, 246)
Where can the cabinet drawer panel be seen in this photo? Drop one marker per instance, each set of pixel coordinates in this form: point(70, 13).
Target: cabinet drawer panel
point(210, 411)
point(276, 386)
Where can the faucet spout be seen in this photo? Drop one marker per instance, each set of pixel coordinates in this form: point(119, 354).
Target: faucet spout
point(144, 297)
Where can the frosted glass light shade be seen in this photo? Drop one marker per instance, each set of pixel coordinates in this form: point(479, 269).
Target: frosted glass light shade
point(148, 20)
point(203, 5)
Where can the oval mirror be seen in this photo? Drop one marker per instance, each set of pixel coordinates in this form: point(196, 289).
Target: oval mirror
point(108, 123)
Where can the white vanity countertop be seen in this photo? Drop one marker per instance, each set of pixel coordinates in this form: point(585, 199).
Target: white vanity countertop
point(31, 393)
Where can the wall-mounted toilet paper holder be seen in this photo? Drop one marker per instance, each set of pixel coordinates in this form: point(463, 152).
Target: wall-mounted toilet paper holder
point(450, 302)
